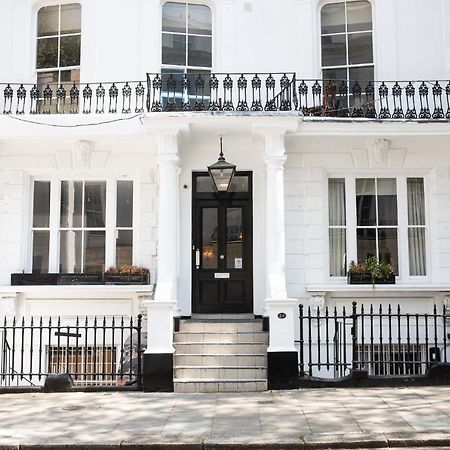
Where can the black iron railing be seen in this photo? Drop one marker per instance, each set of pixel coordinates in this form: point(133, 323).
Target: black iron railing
point(227, 92)
point(396, 100)
point(95, 351)
point(382, 340)
point(91, 98)
point(236, 92)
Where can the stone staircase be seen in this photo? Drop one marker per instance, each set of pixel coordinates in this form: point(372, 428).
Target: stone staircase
point(220, 353)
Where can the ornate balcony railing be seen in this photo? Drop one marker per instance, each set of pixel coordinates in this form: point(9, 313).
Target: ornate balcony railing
point(397, 100)
point(91, 98)
point(238, 92)
point(220, 92)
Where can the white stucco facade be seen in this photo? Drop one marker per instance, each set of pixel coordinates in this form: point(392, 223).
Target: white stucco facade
point(291, 157)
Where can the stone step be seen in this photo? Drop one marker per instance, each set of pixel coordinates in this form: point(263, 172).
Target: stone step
point(222, 326)
point(223, 348)
point(223, 317)
point(247, 360)
point(220, 373)
point(222, 337)
point(205, 385)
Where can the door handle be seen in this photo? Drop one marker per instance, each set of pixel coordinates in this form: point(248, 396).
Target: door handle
point(197, 259)
point(222, 257)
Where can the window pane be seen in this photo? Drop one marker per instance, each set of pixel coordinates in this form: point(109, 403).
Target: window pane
point(47, 78)
point(124, 217)
point(173, 49)
point(388, 247)
point(70, 77)
point(417, 252)
point(333, 18)
point(365, 202)
point(124, 248)
point(334, 74)
point(70, 51)
point(174, 17)
point(338, 252)
point(48, 21)
point(205, 184)
point(47, 53)
point(71, 18)
point(199, 52)
point(387, 201)
point(416, 201)
point(194, 75)
point(209, 238)
point(360, 48)
point(336, 201)
point(333, 50)
point(234, 244)
point(366, 243)
point(359, 16)
point(70, 251)
point(94, 251)
point(41, 241)
point(362, 75)
point(94, 204)
point(199, 19)
point(41, 204)
point(71, 204)
point(239, 184)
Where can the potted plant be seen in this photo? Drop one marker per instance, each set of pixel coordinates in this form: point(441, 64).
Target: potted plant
point(371, 271)
point(127, 274)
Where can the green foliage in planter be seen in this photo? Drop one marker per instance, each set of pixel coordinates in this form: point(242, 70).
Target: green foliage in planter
point(127, 269)
point(378, 270)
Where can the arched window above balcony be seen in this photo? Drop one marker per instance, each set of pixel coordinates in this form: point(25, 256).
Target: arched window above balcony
point(58, 48)
point(186, 37)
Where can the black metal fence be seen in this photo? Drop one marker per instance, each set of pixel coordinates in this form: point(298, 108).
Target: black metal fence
point(382, 340)
point(242, 92)
point(95, 351)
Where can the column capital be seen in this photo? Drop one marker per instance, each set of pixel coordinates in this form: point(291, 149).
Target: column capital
point(168, 139)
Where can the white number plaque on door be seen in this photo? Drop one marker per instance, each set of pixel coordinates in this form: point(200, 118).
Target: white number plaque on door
point(221, 275)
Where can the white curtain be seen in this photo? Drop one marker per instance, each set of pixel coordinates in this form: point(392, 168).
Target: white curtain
point(337, 220)
point(416, 230)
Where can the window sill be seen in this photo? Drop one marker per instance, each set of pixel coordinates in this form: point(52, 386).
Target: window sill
point(138, 288)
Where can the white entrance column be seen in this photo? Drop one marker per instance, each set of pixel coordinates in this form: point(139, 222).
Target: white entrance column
point(158, 357)
point(281, 310)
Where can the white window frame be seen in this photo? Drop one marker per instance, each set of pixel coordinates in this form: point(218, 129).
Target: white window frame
point(55, 204)
point(58, 68)
point(402, 227)
point(186, 67)
point(347, 66)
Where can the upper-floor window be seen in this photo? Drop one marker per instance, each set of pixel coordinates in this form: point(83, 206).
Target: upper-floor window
point(347, 46)
point(58, 48)
point(186, 37)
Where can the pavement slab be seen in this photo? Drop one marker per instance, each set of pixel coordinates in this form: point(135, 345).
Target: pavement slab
point(297, 419)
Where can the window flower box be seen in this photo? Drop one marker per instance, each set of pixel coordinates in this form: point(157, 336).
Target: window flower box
point(366, 278)
point(34, 279)
point(127, 278)
point(80, 279)
point(371, 271)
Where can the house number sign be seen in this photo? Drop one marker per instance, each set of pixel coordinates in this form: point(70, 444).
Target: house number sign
point(282, 315)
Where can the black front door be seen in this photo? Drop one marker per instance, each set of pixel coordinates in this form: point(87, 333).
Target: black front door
point(222, 260)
